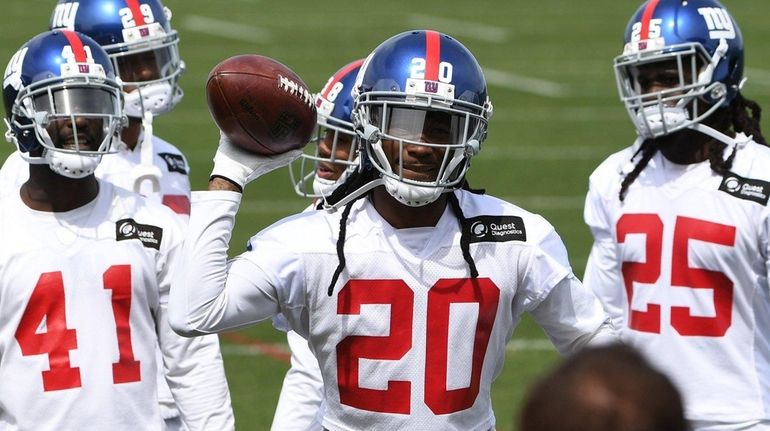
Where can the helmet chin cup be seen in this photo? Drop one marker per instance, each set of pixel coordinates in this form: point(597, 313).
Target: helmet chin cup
point(410, 194)
point(656, 121)
point(71, 165)
point(157, 98)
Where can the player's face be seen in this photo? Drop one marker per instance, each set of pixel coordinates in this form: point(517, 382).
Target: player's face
point(81, 134)
point(661, 76)
point(329, 149)
point(140, 67)
point(418, 162)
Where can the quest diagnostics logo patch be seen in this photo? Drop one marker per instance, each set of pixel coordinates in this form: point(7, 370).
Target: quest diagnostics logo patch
point(150, 236)
point(496, 229)
point(746, 188)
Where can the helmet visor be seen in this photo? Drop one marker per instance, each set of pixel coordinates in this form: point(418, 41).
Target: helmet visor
point(77, 119)
point(82, 101)
point(149, 65)
point(429, 127)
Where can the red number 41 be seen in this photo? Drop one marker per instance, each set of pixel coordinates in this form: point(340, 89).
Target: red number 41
point(682, 275)
point(47, 304)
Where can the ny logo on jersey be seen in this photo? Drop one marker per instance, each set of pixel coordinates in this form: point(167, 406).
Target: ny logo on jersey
point(718, 22)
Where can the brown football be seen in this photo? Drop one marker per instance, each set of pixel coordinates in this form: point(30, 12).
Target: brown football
point(261, 105)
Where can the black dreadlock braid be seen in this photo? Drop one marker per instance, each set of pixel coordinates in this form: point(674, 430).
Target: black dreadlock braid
point(356, 180)
point(736, 118)
point(647, 149)
point(742, 122)
point(464, 232)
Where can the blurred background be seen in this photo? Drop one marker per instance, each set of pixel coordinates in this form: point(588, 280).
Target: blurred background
point(548, 65)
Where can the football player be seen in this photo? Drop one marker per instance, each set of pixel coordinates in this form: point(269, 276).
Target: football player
point(83, 291)
point(680, 218)
point(409, 293)
point(329, 161)
point(143, 48)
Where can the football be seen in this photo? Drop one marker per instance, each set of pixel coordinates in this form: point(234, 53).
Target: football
point(261, 105)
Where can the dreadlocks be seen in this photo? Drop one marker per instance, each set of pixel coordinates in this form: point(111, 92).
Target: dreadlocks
point(742, 116)
point(357, 180)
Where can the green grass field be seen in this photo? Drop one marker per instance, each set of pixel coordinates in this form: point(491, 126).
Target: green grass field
point(557, 115)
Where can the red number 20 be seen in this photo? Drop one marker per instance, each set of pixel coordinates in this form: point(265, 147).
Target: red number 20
point(47, 303)
point(397, 397)
point(682, 275)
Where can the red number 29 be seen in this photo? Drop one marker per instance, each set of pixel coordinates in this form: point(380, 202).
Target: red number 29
point(397, 397)
point(47, 303)
point(682, 275)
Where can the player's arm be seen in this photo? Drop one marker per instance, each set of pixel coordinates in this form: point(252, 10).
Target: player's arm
point(211, 294)
point(193, 366)
point(603, 272)
point(570, 313)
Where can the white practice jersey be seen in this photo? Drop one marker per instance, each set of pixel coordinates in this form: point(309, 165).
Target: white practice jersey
point(299, 402)
point(406, 340)
point(682, 266)
point(121, 169)
point(83, 295)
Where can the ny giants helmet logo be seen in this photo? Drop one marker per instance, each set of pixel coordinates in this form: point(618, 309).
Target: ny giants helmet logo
point(64, 15)
point(12, 75)
point(717, 21)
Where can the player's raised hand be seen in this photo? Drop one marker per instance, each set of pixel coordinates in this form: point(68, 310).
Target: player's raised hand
point(241, 167)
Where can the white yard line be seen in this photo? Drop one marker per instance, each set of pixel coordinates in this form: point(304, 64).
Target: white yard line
point(526, 84)
point(482, 32)
point(225, 29)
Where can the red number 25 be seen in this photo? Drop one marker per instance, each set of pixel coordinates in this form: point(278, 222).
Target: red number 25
point(682, 275)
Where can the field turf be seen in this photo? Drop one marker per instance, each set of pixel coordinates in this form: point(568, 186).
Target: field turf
point(557, 115)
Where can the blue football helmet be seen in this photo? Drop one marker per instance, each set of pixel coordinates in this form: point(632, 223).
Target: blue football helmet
point(139, 39)
point(699, 41)
point(410, 86)
point(63, 104)
point(334, 156)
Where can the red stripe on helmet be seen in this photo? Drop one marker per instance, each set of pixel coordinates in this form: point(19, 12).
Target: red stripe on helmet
point(77, 46)
point(341, 74)
point(136, 12)
point(432, 54)
point(644, 34)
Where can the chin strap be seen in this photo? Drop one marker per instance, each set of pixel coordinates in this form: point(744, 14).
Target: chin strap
point(352, 195)
point(146, 169)
point(732, 143)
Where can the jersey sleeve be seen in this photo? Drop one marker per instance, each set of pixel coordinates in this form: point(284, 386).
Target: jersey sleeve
point(211, 294)
point(602, 273)
point(193, 366)
point(570, 313)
